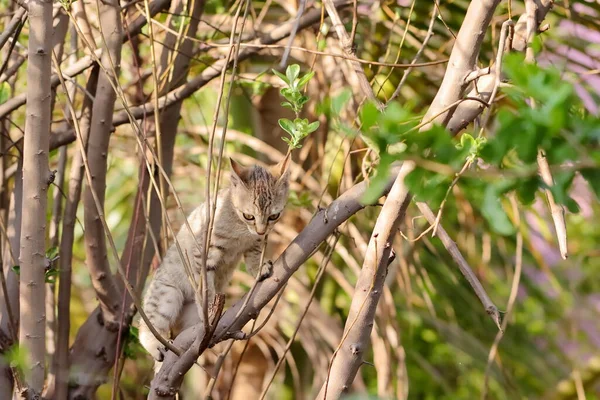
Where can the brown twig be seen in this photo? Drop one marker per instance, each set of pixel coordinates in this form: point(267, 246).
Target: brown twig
point(348, 357)
point(465, 269)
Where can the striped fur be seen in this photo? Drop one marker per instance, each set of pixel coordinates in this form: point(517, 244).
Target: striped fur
point(240, 226)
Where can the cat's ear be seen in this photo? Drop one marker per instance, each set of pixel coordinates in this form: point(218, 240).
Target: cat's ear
point(237, 172)
point(281, 170)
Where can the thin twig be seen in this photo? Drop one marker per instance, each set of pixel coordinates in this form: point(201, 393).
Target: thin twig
point(511, 299)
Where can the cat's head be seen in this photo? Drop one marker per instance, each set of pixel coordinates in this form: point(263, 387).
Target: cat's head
point(259, 194)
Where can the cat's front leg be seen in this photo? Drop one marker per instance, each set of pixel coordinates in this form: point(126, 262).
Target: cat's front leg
point(252, 259)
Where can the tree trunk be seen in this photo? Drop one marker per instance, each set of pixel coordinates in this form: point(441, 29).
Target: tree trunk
point(36, 178)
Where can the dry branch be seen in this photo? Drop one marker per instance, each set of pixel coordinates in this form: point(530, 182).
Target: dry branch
point(324, 223)
point(12, 26)
point(468, 110)
point(348, 357)
point(66, 244)
point(9, 307)
point(99, 138)
point(36, 178)
point(347, 46)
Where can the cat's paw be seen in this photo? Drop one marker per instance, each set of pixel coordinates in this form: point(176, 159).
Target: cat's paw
point(266, 271)
point(152, 345)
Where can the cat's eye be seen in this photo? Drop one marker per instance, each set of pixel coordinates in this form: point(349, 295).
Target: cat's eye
point(248, 217)
point(273, 217)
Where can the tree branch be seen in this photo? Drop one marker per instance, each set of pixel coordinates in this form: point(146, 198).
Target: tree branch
point(36, 177)
point(66, 244)
point(93, 339)
point(348, 357)
point(99, 137)
point(463, 59)
point(468, 110)
point(346, 45)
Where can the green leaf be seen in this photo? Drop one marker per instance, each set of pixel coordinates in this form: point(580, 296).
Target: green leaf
point(338, 102)
point(52, 253)
point(281, 76)
point(292, 72)
point(369, 115)
point(378, 183)
point(305, 79)
point(287, 126)
point(16, 269)
point(313, 126)
point(494, 213)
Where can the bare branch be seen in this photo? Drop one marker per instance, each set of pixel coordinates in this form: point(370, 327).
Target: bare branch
point(348, 357)
point(139, 247)
point(464, 267)
point(9, 307)
point(463, 59)
point(99, 137)
point(35, 186)
point(467, 111)
point(12, 26)
point(209, 74)
point(66, 245)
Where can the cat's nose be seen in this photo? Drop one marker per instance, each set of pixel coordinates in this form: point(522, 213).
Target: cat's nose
point(260, 233)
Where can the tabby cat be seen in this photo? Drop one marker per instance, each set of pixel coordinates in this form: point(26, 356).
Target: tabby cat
point(245, 212)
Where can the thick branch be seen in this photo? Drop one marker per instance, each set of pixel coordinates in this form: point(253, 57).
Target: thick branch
point(36, 178)
point(463, 59)
point(99, 137)
point(348, 357)
point(468, 110)
point(66, 244)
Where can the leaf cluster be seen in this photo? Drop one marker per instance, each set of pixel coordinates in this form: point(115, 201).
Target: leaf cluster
point(299, 128)
point(543, 114)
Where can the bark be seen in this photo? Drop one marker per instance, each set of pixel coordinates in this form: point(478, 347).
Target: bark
point(99, 138)
point(61, 359)
point(355, 341)
point(468, 110)
point(463, 59)
point(36, 178)
point(324, 223)
point(10, 252)
point(96, 347)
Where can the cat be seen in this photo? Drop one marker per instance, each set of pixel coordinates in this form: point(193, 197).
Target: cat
point(245, 213)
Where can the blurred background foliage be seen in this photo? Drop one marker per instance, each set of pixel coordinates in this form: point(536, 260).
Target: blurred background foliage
point(432, 338)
